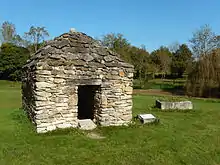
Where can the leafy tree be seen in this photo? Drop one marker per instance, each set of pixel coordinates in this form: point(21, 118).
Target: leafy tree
point(36, 35)
point(8, 32)
point(115, 41)
point(181, 60)
point(162, 59)
point(139, 57)
point(12, 59)
point(118, 43)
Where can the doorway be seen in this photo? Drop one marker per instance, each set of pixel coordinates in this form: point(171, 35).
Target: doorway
point(87, 103)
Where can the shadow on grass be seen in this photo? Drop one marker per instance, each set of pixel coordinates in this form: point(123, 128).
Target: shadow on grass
point(175, 90)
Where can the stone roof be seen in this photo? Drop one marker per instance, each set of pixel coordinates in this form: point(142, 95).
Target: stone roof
point(77, 47)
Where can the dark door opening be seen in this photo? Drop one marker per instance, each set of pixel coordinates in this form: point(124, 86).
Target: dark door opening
point(86, 101)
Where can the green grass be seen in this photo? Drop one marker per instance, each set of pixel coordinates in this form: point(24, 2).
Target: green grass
point(179, 138)
point(166, 84)
point(171, 98)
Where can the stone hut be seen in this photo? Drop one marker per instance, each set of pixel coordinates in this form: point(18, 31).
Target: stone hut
point(72, 78)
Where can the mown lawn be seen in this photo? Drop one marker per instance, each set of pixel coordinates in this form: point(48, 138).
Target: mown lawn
point(191, 138)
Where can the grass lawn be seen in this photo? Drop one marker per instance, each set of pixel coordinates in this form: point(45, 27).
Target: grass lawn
point(166, 84)
point(180, 138)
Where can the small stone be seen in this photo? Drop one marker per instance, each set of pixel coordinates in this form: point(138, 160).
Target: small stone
point(121, 73)
point(87, 57)
point(108, 58)
point(93, 135)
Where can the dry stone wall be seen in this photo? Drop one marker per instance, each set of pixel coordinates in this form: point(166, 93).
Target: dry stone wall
point(71, 60)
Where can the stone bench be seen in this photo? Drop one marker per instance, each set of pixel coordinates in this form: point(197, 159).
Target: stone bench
point(179, 105)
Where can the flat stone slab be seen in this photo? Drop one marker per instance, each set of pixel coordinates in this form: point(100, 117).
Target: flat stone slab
point(147, 118)
point(93, 135)
point(86, 124)
point(179, 105)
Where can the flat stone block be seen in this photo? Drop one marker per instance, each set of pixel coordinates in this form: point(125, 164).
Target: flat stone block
point(86, 124)
point(147, 118)
point(181, 105)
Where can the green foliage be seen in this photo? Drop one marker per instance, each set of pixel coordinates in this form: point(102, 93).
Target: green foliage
point(170, 98)
point(164, 84)
point(162, 59)
point(181, 59)
point(139, 57)
point(12, 59)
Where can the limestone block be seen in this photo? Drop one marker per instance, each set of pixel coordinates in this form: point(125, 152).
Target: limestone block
point(182, 105)
point(128, 90)
point(44, 72)
point(45, 85)
point(87, 57)
point(44, 103)
point(130, 75)
point(40, 98)
point(58, 80)
point(43, 94)
point(86, 124)
point(51, 128)
point(61, 104)
point(126, 97)
point(64, 125)
point(126, 117)
point(108, 58)
point(104, 100)
point(147, 118)
point(41, 130)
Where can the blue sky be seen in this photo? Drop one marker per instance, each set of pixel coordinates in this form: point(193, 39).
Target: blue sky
point(149, 22)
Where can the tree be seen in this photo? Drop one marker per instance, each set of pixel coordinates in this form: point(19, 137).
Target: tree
point(114, 41)
point(162, 59)
point(118, 43)
point(203, 79)
point(204, 41)
point(181, 60)
point(36, 35)
point(8, 32)
point(12, 59)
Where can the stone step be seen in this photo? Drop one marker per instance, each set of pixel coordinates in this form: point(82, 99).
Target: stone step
point(86, 124)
